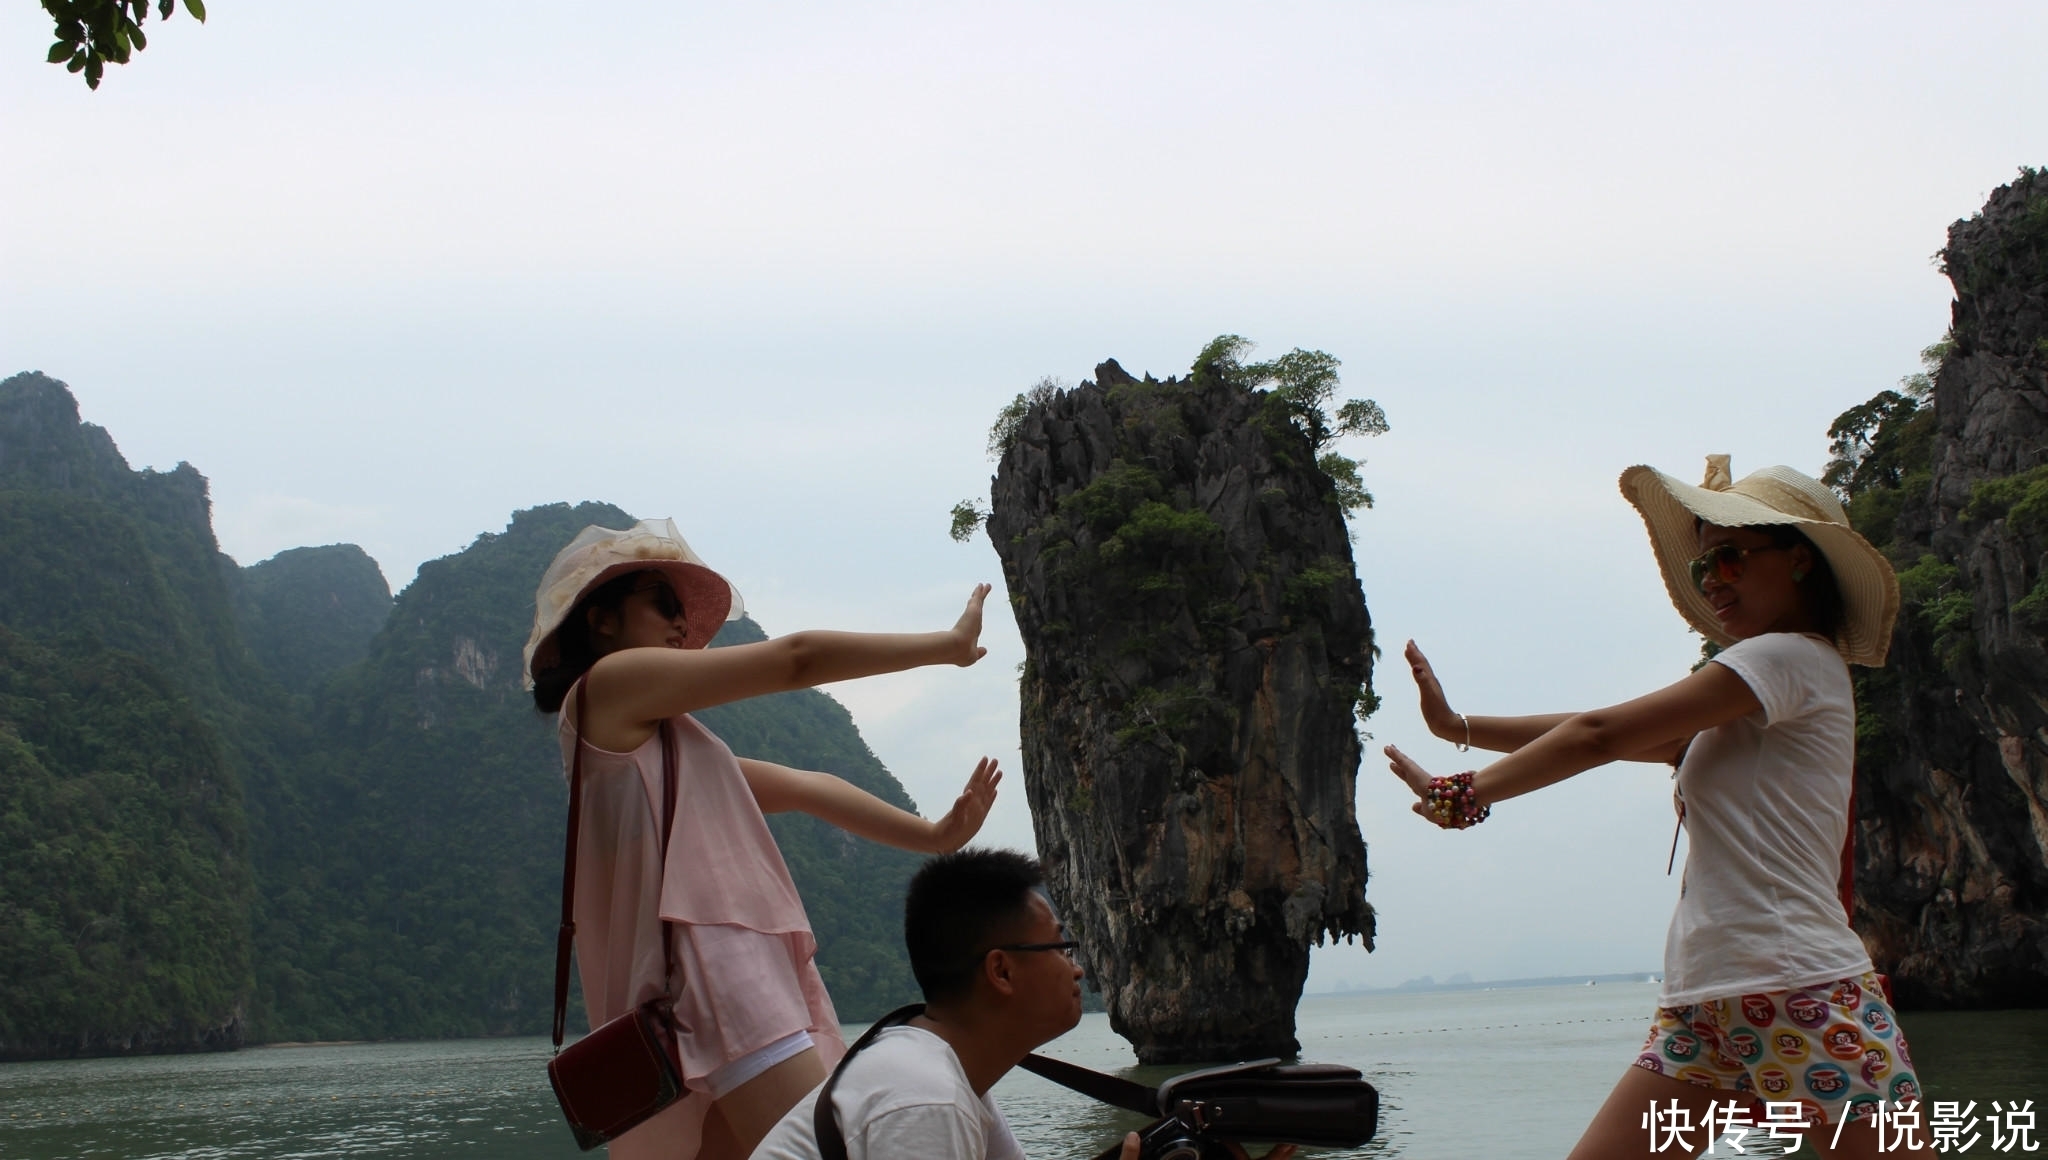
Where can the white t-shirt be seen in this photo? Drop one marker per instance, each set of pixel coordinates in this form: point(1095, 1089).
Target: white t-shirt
point(1766, 811)
point(903, 1096)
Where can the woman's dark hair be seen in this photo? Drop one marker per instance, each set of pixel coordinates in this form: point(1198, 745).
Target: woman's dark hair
point(953, 910)
point(1818, 591)
point(575, 651)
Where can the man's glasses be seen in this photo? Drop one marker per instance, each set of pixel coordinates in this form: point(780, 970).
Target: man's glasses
point(1065, 948)
point(1724, 562)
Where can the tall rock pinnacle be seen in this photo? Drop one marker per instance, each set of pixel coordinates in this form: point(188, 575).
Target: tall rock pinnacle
point(1197, 644)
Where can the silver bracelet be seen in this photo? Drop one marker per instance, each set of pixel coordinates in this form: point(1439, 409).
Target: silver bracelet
point(1466, 745)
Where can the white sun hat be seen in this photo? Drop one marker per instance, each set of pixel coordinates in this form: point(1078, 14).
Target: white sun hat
point(599, 554)
point(1770, 496)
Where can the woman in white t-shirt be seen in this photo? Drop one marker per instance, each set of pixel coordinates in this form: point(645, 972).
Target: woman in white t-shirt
point(1771, 1015)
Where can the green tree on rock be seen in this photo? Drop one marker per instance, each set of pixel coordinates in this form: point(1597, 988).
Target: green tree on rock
point(1300, 384)
point(1303, 382)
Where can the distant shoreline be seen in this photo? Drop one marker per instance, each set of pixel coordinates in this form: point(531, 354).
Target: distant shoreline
point(315, 1043)
point(1466, 983)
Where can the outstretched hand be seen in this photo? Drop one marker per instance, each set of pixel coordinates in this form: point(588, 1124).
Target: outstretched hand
point(1279, 1152)
point(1404, 767)
point(1436, 708)
point(969, 810)
point(966, 631)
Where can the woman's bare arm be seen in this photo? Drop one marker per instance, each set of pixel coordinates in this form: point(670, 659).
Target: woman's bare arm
point(780, 789)
point(1499, 734)
point(1711, 696)
point(633, 689)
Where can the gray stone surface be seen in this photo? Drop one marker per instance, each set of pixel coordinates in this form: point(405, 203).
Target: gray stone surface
point(1197, 641)
point(1952, 861)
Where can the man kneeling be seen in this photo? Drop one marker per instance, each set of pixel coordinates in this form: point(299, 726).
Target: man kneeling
point(999, 978)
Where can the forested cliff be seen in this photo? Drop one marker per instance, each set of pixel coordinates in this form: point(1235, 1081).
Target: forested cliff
point(1950, 476)
point(129, 714)
point(274, 803)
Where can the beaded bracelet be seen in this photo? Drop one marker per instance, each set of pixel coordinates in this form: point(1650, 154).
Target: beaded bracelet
point(1453, 804)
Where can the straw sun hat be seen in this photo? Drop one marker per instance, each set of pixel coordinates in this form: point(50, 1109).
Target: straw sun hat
point(1770, 496)
point(599, 554)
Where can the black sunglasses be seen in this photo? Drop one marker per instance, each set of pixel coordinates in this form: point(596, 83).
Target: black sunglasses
point(1725, 562)
point(663, 597)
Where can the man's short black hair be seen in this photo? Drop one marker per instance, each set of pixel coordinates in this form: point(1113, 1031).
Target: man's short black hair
point(957, 908)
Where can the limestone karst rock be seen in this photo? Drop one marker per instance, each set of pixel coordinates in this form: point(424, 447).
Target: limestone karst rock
point(1952, 865)
point(274, 803)
point(1197, 645)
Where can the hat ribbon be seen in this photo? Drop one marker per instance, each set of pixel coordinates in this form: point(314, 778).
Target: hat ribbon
point(1718, 478)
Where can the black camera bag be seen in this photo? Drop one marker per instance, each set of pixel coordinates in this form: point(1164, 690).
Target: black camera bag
point(1323, 1104)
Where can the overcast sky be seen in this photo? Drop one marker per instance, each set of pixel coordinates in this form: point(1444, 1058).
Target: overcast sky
point(386, 272)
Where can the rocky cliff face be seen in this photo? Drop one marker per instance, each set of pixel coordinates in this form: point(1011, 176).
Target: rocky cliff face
point(1952, 867)
point(1197, 643)
point(125, 880)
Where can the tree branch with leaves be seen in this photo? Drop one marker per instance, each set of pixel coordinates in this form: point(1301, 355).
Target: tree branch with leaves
point(1304, 381)
point(90, 33)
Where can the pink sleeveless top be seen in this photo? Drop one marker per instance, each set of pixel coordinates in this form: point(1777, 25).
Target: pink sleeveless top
point(743, 947)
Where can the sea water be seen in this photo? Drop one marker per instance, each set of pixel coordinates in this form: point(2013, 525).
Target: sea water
point(1495, 1074)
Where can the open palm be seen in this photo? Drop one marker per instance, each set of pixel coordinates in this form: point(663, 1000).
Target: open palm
point(969, 810)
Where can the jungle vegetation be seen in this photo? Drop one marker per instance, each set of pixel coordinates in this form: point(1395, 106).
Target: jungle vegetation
point(275, 803)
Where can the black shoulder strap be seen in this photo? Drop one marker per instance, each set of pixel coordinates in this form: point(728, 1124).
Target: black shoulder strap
point(1113, 1091)
point(1129, 1095)
point(1120, 1093)
point(831, 1143)
point(1117, 1093)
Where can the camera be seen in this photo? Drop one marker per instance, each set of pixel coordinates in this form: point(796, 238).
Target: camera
point(1171, 1139)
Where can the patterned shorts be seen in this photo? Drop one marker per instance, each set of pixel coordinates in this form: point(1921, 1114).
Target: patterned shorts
point(1834, 1048)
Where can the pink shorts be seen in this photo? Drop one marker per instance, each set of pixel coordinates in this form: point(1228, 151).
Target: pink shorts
point(1835, 1049)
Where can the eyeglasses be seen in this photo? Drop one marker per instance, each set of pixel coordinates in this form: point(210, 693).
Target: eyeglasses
point(1725, 562)
point(663, 598)
point(1065, 948)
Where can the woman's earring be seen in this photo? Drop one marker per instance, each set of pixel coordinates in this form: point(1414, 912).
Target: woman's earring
point(1797, 575)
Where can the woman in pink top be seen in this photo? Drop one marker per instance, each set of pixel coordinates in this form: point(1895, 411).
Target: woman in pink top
point(626, 615)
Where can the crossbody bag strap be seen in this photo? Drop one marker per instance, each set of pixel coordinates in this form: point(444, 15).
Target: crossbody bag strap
point(669, 790)
point(1846, 884)
point(831, 1142)
point(1112, 1090)
point(1115, 1091)
point(565, 938)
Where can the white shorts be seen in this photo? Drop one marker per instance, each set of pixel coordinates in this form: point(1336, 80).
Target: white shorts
point(728, 1079)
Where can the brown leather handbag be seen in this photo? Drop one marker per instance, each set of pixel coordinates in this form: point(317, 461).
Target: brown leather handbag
point(622, 1073)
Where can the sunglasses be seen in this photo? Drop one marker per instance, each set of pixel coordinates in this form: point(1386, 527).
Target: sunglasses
point(1724, 562)
point(663, 598)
